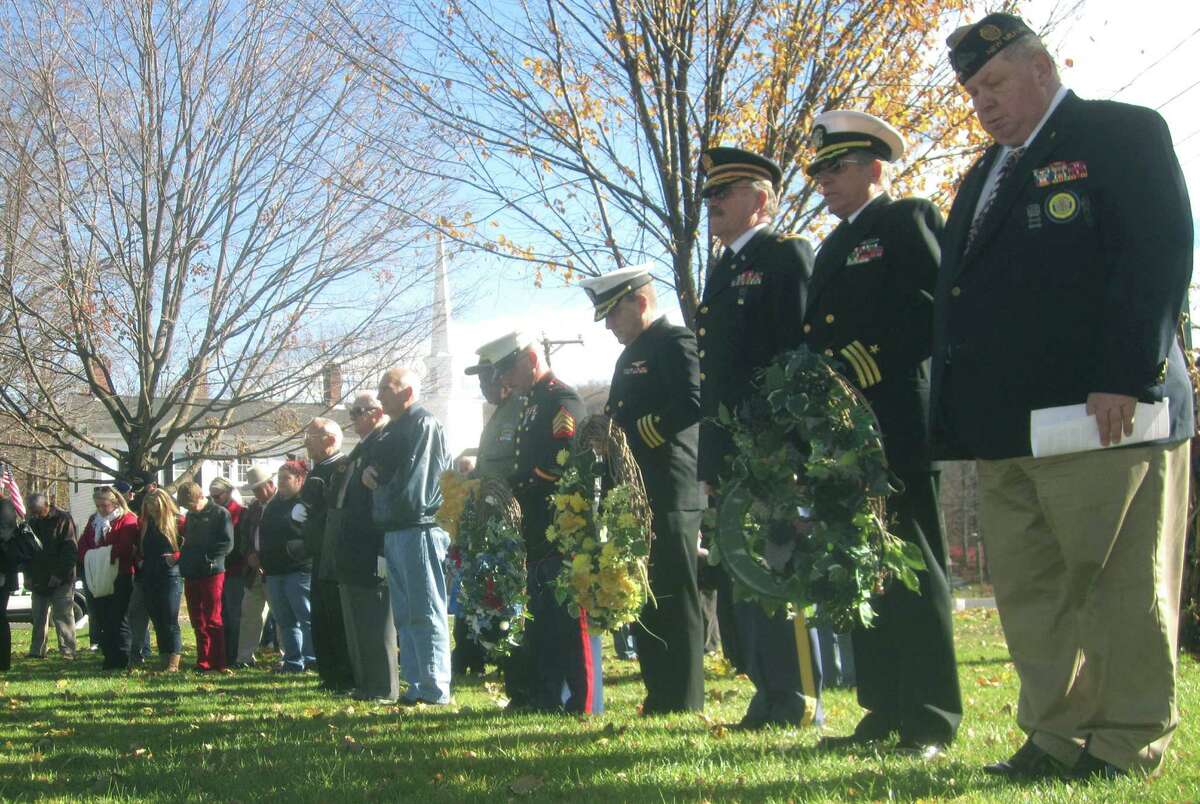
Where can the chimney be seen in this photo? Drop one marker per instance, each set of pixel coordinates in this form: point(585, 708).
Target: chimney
point(331, 384)
point(100, 368)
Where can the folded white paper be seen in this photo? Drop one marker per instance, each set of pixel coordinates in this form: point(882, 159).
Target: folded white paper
point(1070, 428)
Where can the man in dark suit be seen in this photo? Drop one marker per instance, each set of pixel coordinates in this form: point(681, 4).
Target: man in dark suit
point(753, 301)
point(1065, 269)
point(557, 666)
point(870, 308)
point(655, 398)
point(323, 442)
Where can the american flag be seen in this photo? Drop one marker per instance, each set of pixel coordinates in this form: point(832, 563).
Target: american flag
point(8, 485)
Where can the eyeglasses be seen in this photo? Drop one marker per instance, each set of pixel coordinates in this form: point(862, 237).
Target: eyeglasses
point(721, 191)
point(356, 412)
point(836, 168)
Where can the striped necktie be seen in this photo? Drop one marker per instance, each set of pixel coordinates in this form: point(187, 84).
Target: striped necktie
point(1005, 169)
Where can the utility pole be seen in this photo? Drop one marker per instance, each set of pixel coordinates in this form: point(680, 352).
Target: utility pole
point(549, 346)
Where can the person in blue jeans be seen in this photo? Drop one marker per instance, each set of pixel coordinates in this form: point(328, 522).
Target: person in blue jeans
point(405, 479)
point(161, 585)
point(288, 569)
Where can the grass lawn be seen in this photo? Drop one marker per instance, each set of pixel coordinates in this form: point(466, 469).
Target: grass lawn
point(68, 732)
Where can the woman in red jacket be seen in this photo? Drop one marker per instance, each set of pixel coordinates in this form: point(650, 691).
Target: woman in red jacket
point(113, 524)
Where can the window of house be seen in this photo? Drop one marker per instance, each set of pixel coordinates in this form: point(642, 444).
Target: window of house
point(243, 468)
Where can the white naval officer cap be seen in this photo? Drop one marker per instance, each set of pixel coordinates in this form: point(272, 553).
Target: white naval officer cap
point(608, 289)
point(839, 131)
point(493, 352)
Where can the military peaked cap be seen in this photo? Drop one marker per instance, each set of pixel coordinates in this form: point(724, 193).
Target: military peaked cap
point(605, 291)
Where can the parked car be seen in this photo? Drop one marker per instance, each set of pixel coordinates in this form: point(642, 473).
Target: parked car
point(20, 604)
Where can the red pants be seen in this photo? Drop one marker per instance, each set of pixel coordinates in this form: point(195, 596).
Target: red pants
point(204, 609)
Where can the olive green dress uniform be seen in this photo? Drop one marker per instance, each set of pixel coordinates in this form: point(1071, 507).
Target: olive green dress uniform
point(750, 313)
point(871, 310)
point(557, 667)
point(655, 398)
point(497, 442)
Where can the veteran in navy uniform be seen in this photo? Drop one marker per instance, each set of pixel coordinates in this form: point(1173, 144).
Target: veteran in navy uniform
point(655, 398)
point(870, 309)
point(753, 301)
point(557, 667)
point(1065, 269)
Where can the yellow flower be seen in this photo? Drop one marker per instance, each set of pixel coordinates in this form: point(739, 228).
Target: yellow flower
point(578, 504)
point(588, 545)
point(581, 565)
point(569, 523)
point(626, 520)
point(551, 534)
point(562, 457)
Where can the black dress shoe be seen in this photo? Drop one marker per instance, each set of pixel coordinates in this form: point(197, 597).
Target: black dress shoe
point(1029, 762)
point(1089, 767)
point(920, 749)
point(847, 741)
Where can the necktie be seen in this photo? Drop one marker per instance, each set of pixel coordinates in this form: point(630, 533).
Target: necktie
point(1005, 169)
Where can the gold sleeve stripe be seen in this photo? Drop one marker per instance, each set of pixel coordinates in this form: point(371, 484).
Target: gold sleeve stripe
point(646, 430)
point(650, 426)
point(544, 475)
point(856, 363)
point(868, 360)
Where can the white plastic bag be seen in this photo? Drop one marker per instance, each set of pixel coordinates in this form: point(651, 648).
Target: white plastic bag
point(100, 571)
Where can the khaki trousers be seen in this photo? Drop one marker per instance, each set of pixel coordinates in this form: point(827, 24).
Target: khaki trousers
point(253, 618)
point(1086, 556)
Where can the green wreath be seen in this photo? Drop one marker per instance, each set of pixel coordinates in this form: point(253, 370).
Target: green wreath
point(801, 517)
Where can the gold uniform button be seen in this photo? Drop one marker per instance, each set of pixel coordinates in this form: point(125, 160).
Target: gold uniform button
point(701, 353)
point(702, 375)
point(704, 310)
point(829, 353)
point(701, 332)
point(808, 327)
point(621, 403)
point(829, 318)
point(956, 291)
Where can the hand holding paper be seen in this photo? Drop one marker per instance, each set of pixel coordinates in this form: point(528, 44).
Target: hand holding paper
point(1073, 428)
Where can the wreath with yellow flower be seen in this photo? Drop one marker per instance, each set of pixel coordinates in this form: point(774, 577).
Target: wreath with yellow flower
point(492, 553)
point(602, 528)
point(801, 517)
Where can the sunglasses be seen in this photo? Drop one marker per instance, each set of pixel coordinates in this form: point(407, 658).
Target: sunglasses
point(356, 412)
point(836, 168)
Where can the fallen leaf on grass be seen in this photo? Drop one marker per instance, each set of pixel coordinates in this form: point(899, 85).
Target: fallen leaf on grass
point(61, 683)
point(352, 745)
point(988, 682)
point(613, 730)
point(525, 785)
point(718, 731)
point(142, 753)
point(438, 778)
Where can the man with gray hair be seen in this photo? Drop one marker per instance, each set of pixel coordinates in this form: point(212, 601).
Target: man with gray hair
point(358, 561)
point(51, 576)
point(323, 442)
point(1065, 268)
point(753, 302)
point(405, 477)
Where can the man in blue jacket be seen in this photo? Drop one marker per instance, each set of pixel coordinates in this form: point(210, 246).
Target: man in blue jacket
point(405, 478)
point(1065, 268)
